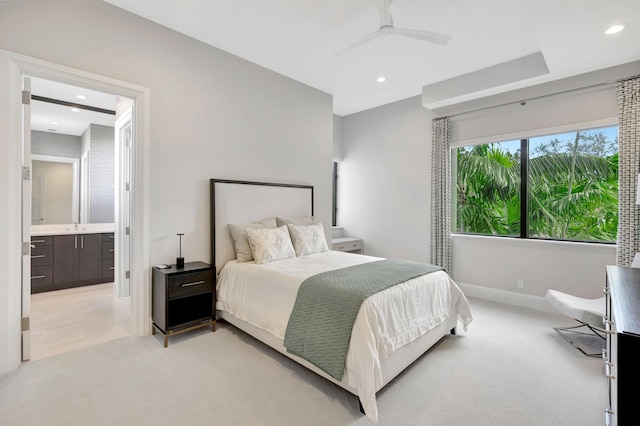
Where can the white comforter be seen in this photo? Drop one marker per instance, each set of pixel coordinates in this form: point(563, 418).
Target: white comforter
point(264, 295)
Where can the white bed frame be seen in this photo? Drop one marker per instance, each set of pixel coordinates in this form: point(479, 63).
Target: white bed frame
point(242, 201)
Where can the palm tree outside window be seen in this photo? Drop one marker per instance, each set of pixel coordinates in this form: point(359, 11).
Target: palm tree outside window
point(570, 191)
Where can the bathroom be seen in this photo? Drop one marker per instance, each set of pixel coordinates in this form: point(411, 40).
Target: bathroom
point(75, 301)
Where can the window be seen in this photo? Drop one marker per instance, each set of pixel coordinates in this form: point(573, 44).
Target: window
point(570, 189)
point(334, 187)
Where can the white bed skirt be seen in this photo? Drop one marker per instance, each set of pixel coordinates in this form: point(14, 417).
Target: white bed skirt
point(397, 362)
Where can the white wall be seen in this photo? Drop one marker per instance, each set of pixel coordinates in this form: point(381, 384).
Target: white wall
point(384, 186)
point(212, 115)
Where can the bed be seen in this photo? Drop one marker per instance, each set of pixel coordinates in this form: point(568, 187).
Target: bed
point(259, 296)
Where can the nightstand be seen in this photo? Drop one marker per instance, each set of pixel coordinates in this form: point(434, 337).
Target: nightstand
point(350, 244)
point(183, 299)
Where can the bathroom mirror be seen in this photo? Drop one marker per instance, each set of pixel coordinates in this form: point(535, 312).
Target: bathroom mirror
point(55, 190)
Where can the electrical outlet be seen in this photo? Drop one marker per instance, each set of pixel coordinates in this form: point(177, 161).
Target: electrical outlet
point(520, 283)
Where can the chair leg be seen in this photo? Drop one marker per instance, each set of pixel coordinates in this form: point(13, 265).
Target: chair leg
point(563, 331)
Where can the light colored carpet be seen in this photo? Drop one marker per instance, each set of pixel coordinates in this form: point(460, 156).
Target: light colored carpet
point(510, 368)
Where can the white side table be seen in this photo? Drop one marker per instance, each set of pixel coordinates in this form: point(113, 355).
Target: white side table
point(349, 244)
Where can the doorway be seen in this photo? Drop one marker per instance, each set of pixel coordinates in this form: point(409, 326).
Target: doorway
point(77, 123)
point(18, 285)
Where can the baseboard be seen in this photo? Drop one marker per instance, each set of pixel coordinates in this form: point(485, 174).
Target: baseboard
point(507, 297)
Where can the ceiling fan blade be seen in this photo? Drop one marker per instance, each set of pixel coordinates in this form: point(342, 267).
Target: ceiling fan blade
point(428, 36)
point(357, 44)
point(384, 12)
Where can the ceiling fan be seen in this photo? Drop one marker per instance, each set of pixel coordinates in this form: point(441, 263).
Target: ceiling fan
point(387, 28)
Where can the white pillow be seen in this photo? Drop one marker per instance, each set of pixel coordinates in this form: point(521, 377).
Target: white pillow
point(269, 245)
point(239, 235)
point(303, 220)
point(308, 239)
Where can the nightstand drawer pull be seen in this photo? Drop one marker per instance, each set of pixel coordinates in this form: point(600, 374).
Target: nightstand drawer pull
point(38, 276)
point(112, 250)
point(191, 284)
point(37, 256)
point(111, 268)
point(340, 247)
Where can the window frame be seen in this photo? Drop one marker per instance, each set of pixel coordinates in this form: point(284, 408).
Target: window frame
point(524, 171)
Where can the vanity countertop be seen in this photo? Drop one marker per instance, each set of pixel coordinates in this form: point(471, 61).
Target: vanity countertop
point(70, 229)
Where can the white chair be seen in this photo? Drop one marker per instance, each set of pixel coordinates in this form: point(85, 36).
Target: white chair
point(588, 312)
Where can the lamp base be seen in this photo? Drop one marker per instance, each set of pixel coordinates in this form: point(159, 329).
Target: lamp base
point(179, 262)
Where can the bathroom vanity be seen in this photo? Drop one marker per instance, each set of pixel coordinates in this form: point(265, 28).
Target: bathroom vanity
point(71, 256)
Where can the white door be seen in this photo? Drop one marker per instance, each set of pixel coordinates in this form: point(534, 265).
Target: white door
point(26, 218)
point(124, 143)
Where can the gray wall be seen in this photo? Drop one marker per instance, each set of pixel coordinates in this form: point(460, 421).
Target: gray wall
point(101, 174)
point(384, 184)
point(56, 145)
point(384, 192)
point(211, 115)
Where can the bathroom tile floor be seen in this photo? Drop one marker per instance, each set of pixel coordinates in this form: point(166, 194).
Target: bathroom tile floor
point(66, 320)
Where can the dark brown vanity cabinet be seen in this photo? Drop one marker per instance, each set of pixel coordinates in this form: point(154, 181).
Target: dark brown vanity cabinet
point(41, 263)
point(78, 258)
point(65, 261)
point(108, 252)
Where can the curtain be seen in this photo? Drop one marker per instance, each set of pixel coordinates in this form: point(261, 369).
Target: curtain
point(628, 92)
point(441, 194)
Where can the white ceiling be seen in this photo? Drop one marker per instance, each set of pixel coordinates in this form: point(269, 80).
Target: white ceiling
point(299, 39)
point(55, 118)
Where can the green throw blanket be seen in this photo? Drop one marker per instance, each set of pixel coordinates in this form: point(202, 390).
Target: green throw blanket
point(327, 304)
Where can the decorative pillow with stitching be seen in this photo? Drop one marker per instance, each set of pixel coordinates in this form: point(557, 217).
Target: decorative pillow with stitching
point(269, 245)
point(239, 236)
point(303, 220)
point(308, 239)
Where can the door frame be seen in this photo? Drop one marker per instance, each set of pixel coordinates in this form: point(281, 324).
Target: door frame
point(20, 66)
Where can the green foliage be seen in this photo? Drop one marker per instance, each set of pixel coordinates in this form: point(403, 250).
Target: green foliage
point(572, 189)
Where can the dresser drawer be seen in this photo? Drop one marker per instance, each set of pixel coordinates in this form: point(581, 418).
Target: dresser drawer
point(41, 255)
point(190, 284)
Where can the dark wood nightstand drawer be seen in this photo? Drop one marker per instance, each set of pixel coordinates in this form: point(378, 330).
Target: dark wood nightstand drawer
point(190, 284)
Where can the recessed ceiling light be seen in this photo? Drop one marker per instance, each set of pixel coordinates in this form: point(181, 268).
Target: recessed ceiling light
point(381, 79)
point(55, 123)
point(75, 109)
point(614, 29)
point(81, 97)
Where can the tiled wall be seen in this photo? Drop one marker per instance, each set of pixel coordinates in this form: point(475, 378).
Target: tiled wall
point(56, 145)
point(101, 159)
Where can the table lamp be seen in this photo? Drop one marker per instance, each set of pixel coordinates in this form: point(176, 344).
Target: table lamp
point(180, 259)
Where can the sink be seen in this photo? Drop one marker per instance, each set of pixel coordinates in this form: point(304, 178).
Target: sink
point(81, 228)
